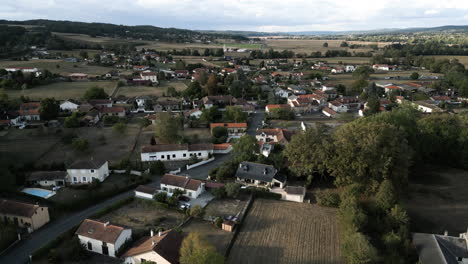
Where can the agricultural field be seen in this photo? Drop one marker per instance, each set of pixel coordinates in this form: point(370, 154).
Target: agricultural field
point(132, 91)
point(287, 232)
point(438, 201)
point(57, 66)
point(139, 215)
point(225, 207)
point(62, 90)
point(312, 45)
point(462, 59)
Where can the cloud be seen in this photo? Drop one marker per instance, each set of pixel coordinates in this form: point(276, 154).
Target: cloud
point(431, 12)
point(261, 15)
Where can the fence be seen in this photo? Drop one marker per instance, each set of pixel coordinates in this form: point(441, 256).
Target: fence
point(175, 171)
point(133, 172)
point(199, 163)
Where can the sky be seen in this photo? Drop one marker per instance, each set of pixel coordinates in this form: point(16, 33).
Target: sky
point(248, 15)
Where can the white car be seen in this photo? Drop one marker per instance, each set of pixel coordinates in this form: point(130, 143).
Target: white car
point(185, 206)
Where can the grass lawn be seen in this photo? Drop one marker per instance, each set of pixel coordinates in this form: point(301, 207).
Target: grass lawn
point(81, 196)
point(132, 91)
point(197, 135)
point(216, 236)
point(225, 207)
point(62, 90)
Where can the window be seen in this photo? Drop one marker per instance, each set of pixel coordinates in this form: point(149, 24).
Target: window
point(162, 156)
point(173, 155)
point(164, 189)
point(84, 179)
point(190, 194)
point(90, 246)
point(199, 153)
point(185, 155)
point(92, 171)
point(75, 179)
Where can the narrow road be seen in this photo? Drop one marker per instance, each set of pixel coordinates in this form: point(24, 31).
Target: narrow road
point(20, 253)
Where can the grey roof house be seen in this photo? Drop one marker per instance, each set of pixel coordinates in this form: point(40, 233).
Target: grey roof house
point(443, 249)
point(259, 175)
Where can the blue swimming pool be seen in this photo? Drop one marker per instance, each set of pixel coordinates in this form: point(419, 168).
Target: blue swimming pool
point(38, 192)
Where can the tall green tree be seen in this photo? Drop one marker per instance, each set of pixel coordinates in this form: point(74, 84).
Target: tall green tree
point(50, 109)
point(95, 93)
point(210, 115)
point(167, 128)
point(234, 114)
point(308, 151)
point(245, 149)
point(197, 250)
point(212, 85)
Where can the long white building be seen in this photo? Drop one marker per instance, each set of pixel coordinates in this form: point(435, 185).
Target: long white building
point(176, 152)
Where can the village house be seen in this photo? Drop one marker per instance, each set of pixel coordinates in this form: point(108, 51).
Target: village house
point(294, 194)
point(167, 106)
point(304, 103)
point(193, 113)
point(182, 74)
point(100, 102)
point(30, 111)
point(149, 76)
point(427, 106)
point(145, 192)
point(24, 215)
point(279, 92)
point(113, 111)
point(384, 67)
point(47, 178)
point(434, 248)
point(296, 89)
point(440, 99)
point(327, 111)
point(140, 68)
point(274, 135)
point(221, 101)
point(176, 152)
point(86, 171)
point(344, 104)
point(78, 76)
point(103, 237)
point(162, 248)
point(259, 175)
point(91, 117)
point(190, 187)
point(69, 105)
point(350, 68)
point(234, 129)
point(29, 70)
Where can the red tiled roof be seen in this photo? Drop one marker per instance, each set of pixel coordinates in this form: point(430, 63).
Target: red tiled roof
point(393, 87)
point(181, 181)
point(100, 231)
point(167, 245)
point(284, 106)
point(222, 146)
point(17, 208)
point(174, 147)
point(228, 125)
point(328, 110)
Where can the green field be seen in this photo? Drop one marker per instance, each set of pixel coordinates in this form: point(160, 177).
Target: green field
point(242, 45)
point(61, 90)
point(131, 91)
point(63, 67)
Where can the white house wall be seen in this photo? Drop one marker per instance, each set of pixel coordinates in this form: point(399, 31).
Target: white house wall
point(175, 155)
point(101, 174)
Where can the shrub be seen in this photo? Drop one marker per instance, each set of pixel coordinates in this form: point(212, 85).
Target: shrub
point(80, 144)
point(328, 198)
point(218, 222)
point(196, 211)
point(157, 168)
point(232, 189)
point(219, 193)
point(160, 197)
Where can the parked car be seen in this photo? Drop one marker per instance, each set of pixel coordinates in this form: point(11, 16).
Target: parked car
point(185, 206)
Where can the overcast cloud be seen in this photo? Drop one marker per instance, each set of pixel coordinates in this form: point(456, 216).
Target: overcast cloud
point(255, 15)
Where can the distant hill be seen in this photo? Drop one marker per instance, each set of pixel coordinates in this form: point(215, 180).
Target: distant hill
point(111, 30)
point(441, 29)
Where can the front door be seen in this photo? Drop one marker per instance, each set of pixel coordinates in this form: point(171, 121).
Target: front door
point(105, 250)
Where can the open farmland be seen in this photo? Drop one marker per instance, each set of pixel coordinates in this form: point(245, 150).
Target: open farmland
point(57, 66)
point(312, 45)
point(62, 90)
point(286, 232)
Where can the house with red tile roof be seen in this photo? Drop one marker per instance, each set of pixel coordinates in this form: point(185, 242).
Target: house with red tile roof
point(274, 135)
point(30, 111)
point(270, 107)
point(233, 129)
point(163, 247)
point(103, 237)
point(192, 188)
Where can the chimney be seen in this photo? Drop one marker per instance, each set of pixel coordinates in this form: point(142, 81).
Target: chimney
point(265, 171)
point(159, 233)
point(151, 233)
point(240, 165)
point(106, 224)
point(445, 233)
point(152, 242)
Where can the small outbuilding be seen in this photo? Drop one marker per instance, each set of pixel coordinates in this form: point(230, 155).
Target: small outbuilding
point(295, 193)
